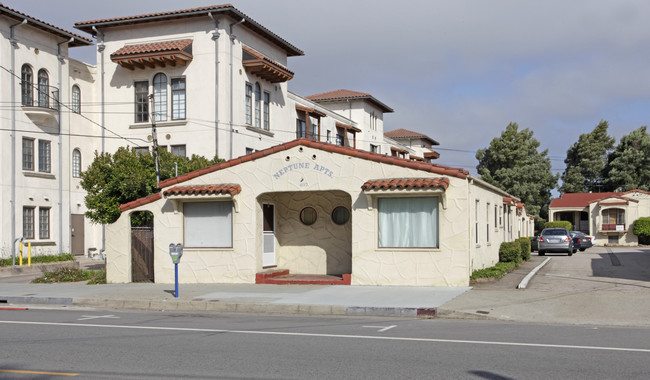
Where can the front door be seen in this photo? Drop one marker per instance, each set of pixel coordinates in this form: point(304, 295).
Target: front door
point(77, 234)
point(268, 254)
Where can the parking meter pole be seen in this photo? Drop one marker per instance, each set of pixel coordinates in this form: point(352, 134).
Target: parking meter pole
point(176, 276)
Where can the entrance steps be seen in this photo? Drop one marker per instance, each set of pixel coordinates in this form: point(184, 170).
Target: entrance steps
point(283, 277)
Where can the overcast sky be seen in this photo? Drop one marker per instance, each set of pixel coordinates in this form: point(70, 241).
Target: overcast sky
point(456, 70)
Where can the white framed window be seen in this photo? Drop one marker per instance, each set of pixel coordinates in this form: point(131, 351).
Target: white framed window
point(141, 150)
point(27, 85)
point(249, 104)
point(179, 150)
point(141, 101)
point(207, 224)
point(28, 154)
point(28, 222)
point(75, 106)
point(76, 163)
point(43, 223)
point(44, 156)
point(258, 105)
point(43, 89)
point(267, 110)
point(408, 222)
point(487, 223)
point(375, 148)
point(178, 98)
point(160, 97)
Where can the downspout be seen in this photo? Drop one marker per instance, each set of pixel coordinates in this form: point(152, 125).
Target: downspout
point(14, 44)
point(58, 105)
point(215, 38)
point(232, 42)
point(100, 48)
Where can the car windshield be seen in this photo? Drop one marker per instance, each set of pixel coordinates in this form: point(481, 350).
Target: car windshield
point(554, 232)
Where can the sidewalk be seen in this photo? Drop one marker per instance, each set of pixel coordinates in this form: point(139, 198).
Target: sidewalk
point(614, 305)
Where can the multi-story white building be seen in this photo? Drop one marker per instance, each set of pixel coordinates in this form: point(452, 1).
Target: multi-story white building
point(47, 135)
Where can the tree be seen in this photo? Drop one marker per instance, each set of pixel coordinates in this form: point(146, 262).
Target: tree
point(513, 163)
point(122, 177)
point(586, 161)
point(629, 163)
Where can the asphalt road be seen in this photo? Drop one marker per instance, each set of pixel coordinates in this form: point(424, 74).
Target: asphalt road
point(97, 344)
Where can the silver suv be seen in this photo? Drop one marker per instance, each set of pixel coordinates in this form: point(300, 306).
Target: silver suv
point(555, 240)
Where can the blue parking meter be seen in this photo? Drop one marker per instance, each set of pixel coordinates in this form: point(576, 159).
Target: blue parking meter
point(176, 251)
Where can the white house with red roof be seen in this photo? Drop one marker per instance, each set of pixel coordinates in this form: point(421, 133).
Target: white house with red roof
point(312, 212)
point(419, 142)
point(607, 216)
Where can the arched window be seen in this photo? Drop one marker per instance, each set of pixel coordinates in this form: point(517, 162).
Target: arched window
point(27, 85)
point(76, 163)
point(76, 99)
point(43, 89)
point(258, 106)
point(160, 97)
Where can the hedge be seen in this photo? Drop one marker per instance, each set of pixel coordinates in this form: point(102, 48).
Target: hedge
point(559, 224)
point(641, 228)
point(510, 251)
point(524, 242)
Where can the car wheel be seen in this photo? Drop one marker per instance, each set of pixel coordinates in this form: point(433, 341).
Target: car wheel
point(582, 249)
point(571, 252)
point(541, 253)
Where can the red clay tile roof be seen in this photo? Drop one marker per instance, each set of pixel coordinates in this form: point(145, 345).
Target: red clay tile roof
point(204, 190)
point(362, 154)
point(342, 94)
point(140, 202)
point(406, 184)
point(264, 67)
point(176, 46)
point(19, 16)
point(400, 134)
point(580, 199)
point(226, 9)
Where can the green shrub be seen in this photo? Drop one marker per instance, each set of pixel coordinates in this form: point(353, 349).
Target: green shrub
point(524, 242)
point(641, 229)
point(38, 259)
point(72, 275)
point(559, 224)
point(510, 251)
point(497, 271)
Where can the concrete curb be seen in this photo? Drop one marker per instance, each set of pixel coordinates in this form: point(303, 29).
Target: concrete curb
point(37, 268)
point(36, 300)
point(524, 282)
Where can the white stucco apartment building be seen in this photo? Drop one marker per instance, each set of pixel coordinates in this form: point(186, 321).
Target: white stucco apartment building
point(214, 82)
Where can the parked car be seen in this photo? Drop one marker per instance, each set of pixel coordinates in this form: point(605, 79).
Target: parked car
point(555, 240)
point(580, 240)
point(534, 243)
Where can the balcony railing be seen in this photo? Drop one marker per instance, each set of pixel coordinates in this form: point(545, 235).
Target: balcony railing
point(613, 227)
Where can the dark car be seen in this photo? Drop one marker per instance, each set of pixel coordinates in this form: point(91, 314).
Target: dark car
point(555, 240)
point(581, 241)
point(534, 243)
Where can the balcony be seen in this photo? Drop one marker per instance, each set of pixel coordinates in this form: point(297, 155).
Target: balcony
point(43, 110)
point(613, 228)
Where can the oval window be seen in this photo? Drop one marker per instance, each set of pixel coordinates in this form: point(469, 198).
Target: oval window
point(340, 215)
point(308, 216)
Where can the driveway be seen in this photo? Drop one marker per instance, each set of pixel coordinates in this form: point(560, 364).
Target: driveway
point(600, 286)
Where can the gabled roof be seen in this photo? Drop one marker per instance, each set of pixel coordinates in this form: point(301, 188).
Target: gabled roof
point(338, 95)
point(231, 189)
point(42, 25)
point(581, 200)
point(406, 184)
point(227, 9)
point(404, 134)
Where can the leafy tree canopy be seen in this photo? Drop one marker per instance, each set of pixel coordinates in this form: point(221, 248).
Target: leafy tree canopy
point(124, 176)
point(586, 161)
point(513, 163)
point(629, 163)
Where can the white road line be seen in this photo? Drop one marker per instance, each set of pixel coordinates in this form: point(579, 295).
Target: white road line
point(86, 317)
point(368, 337)
point(381, 328)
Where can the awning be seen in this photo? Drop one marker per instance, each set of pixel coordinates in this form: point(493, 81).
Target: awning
point(264, 67)
point(401, 186)
point(155, 54)
point(178, 194)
